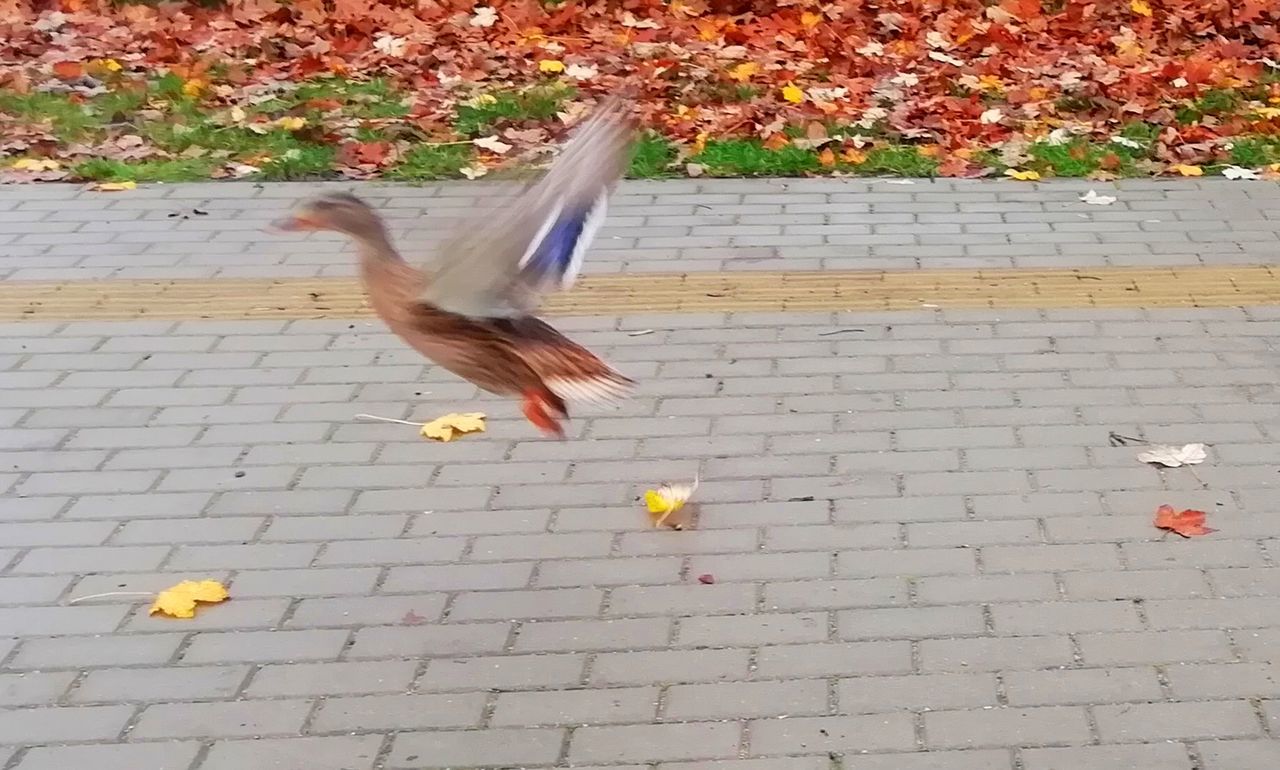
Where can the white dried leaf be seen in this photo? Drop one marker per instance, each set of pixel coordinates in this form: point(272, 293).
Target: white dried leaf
point(871, 49)
point(1180, 83)
point(1236, 172)
point(492, 144)
point(473, 172)
point(51, 22)
point(1125, 141)
point(694, 169)
point(946, 58)
point(1094, 199)
point(581, 71)
point(629, 20)
point(391, 45)
point(483, 17)
point(991, 116)
point(1173, 456)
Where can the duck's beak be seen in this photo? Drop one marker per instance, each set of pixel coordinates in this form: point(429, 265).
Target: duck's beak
point(296, 221)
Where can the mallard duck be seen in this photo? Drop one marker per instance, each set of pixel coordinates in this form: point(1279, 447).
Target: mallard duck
point(472, 311)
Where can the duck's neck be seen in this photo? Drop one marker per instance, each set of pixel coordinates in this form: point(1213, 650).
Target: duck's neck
point(393, 285)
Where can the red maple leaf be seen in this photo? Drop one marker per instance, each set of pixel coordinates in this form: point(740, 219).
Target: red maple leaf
point(1188, 523)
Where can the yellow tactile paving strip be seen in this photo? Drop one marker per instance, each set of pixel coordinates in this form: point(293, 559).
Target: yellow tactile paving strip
point(293, 298)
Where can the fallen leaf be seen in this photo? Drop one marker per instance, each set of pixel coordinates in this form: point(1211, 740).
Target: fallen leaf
point(1236, 172)
point(36, 164)
point(1140, 7)
point(179, 601)
point(853, 157)
point(473, 171)
point(550, 65)
point(114, 186)
point(412, 618)
point(668, 499)
point(483, 17)
point(391, 45)
point(492, 144)
point(1188, 523)
point(292, 123)
point(1173, 456)
point(1022, 176)
point(1094, 199)
point(706, 579)
point(581, 71)
point(1186, 170)
point(450, 426)
point(743, 72)
point(991, 116)
point(792, 93)
point(827, 157)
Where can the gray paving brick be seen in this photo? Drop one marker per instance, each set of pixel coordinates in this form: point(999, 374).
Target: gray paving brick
point(170, 755)
point(347, 678)
point(34, 688)
point(1176, 721)
point(221, 719)
point(880, 732)
point(265, 646)
point(159, 684)
point(57, 724)
point(1239, 754)
point(1148, 756)
point(629, 743)
point(447, 748)
point(399, 712)
point(354, 752)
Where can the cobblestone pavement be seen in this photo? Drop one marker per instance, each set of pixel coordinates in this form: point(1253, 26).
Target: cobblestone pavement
point(926, 554)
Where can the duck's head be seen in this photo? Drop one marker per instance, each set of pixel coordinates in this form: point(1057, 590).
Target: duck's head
point(337, 211)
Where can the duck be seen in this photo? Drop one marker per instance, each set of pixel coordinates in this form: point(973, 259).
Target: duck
point(473, 309)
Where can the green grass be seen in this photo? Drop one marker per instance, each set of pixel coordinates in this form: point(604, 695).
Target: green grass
point(747, 157)
point(901, 160)
point(426, 162)
point(178, 170)
point(652, 157)
point(488, 111)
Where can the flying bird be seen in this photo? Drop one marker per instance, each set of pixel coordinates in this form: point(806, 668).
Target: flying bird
point(472, 310)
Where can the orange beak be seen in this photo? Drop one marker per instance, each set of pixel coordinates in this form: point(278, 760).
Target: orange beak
point(294, 222)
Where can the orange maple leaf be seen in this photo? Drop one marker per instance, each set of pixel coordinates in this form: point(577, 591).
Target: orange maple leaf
point(1188, 523)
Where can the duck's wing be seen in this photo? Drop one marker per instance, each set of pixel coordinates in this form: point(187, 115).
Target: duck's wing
point(528, 243)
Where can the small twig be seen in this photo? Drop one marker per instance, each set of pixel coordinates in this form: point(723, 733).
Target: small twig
point(386, 419)
point(839, 331)
point(110, 593)
point(1196, 476)
point(1115, 439)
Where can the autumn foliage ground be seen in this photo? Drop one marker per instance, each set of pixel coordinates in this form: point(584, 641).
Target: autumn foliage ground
point(420, 90)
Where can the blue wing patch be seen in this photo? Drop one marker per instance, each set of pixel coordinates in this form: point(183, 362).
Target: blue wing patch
point(556, 252)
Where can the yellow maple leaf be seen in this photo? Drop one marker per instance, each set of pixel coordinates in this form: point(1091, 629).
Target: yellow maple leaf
point(743, 72)
point(1022, 176)
point(699, 144)
point(179, 601)
point(110, 65)
point(854, 157)
point(115, 186)
point(1140, 7)
point(291, 123)
point(792, 93)
point(1186, 169)
point(1268, 112)
point(668, 499)
point(450, 426)
point(550, 65)
point(36, 164)
point(810, 19)
point(827, 157)
point(194, 87)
